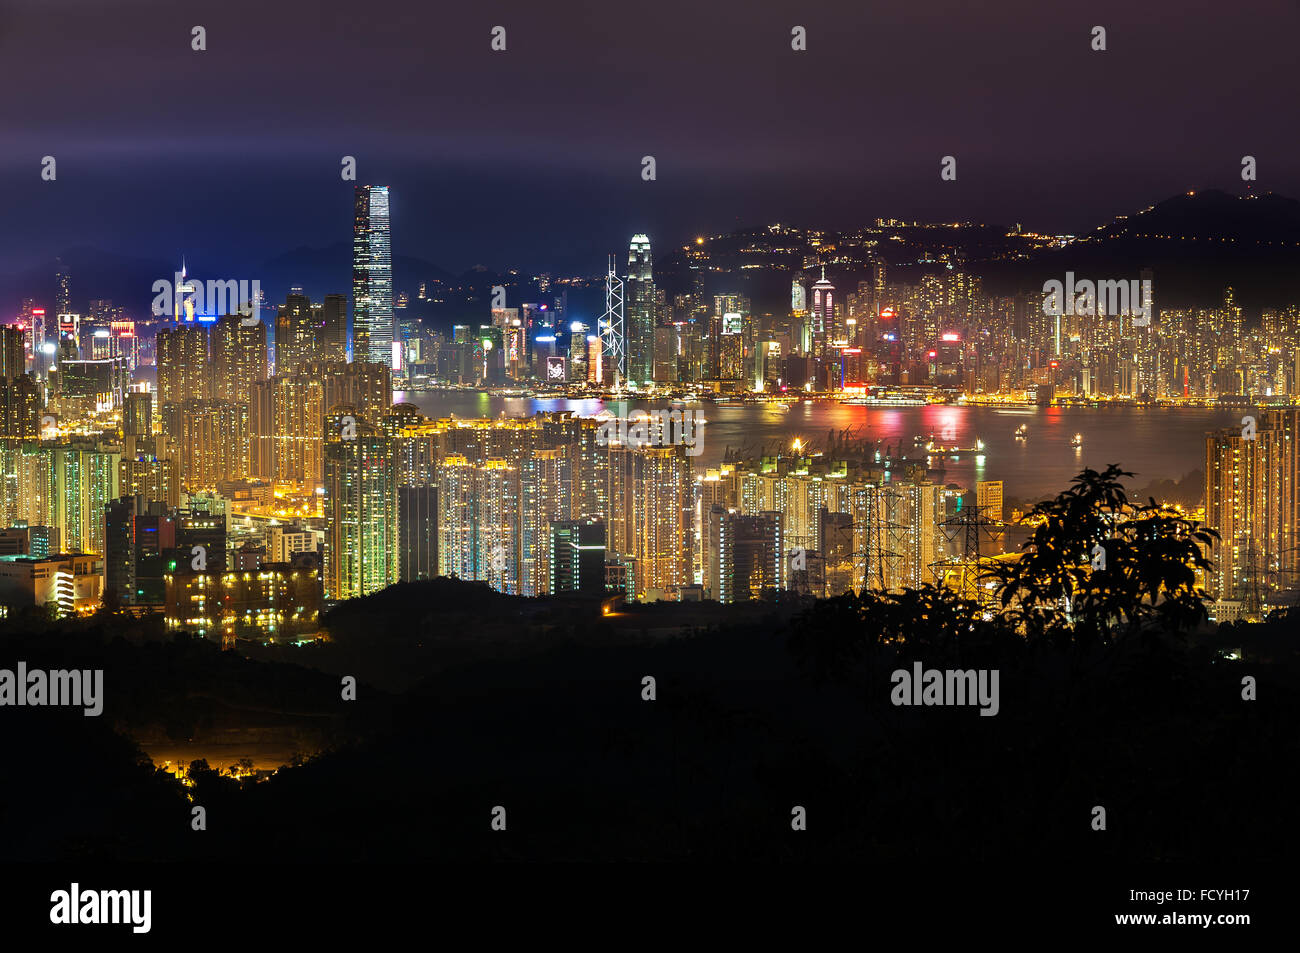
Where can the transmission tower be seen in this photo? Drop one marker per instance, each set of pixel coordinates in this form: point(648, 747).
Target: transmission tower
point(968, 524)
point(613, 337)
point(875, 554)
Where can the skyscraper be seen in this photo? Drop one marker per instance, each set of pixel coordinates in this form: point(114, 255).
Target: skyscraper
point(639, 295)
point(372, 278)
point(360, 506)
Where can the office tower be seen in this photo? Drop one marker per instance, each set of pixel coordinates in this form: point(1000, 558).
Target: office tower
point(373, 324)
point(745, 554)
point(359, 506)
point(662, 519)
point(238, 358)
point(181, 354)
point(577, 557)
point(417, 533)
point(137, 414)
point(299, 336)
point(639, 299)
point(823, 314)
point(334, 328)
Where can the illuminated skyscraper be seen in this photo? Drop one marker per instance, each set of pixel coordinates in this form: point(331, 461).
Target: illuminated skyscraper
point(744, 554)
point(662, 518)
point(360, 507)
point(374, 328)
point(299, 336)
point(639, 297)
point(823, 313)
point(182, 359)
point(1250, 499)
point(238, 358)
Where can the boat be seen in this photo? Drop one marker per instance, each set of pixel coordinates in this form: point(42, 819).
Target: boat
point(1076, 440)
point(933, 448)
point(1022, 431)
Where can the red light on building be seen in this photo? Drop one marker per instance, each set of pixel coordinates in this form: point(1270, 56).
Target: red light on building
point(934, 353)
point(887, 313)
point(951, 336)
point(1054, 364)
point(851, 350)
point(38, 310)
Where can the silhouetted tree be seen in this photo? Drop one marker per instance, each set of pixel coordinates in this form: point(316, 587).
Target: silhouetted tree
point(1096, 563)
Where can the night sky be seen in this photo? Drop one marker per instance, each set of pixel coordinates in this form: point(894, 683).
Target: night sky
point(531, 158)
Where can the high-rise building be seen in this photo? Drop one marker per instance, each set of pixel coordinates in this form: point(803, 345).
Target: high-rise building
point(360, 503)
point(299, 334)
point(745, 554)
point(182, 359)
point(373, 324)
point(1251, 501)
point(334, 327)
point(639, 303)
point(137, 414)
point(577, 557)
point(662, 519)
point(417, 533)
point(138, 537)
point(13, 352)
point(238, 358)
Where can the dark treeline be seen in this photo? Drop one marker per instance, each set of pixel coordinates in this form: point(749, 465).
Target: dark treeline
point(1130, 702)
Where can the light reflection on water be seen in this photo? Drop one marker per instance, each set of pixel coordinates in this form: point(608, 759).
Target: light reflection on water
point(1155, 443)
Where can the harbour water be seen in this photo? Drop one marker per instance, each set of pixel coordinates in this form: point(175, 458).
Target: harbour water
point(1154, 443)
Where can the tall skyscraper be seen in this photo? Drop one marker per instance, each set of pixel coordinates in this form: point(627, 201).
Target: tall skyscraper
point(360, 505)
point(238, 358)
point(639, 297)
point(372, 278)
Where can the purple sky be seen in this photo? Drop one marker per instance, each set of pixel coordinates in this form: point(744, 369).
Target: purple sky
point(532, 157)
